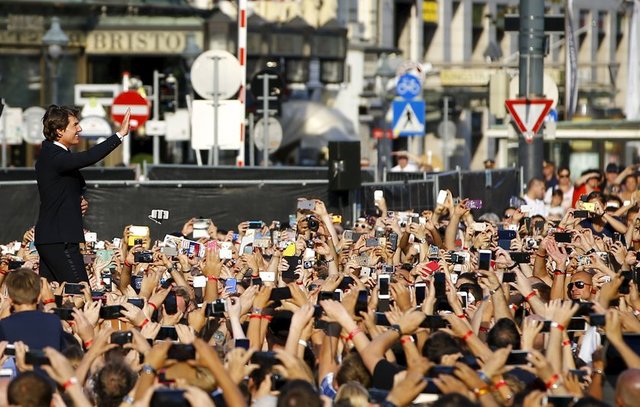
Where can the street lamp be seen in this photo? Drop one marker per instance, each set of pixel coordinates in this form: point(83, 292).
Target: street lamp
point(384, 73)
point(55, 40)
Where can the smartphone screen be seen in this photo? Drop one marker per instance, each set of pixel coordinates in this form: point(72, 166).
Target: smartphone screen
point(383, 286)
point(73, 289)
point(170, 304)
point(440, 285)
point(421, 292)
point(362, 302)
point(485, 259)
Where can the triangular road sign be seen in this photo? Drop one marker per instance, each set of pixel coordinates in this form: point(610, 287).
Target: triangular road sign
point(406, 120)
point(529, 114)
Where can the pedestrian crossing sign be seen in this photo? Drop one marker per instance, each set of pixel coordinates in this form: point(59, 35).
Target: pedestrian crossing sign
point(408, 118)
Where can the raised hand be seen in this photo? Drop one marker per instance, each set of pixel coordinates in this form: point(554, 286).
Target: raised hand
point(124, 127)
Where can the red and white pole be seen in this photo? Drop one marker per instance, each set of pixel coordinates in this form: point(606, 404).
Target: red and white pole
point(242, 57)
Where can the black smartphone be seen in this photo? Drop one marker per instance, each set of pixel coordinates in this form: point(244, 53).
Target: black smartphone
point(362, 302)
point(65, 314)
point(164, 397)
point(181, 352)
point(36, 357)
point(504, 244)
point(580, 214)
point(143, 257)
point(509, 277)
point(280, 293)
point(517, 357)
point(325, 295)
point(433, 322)
point(266, 358)
point(562, 237)
point(484, 259)
point(255, 224)
point(106, 280)
point(577, 324)
point(381, 319)
point(421, 292)
point(520, 257)
point(73, 289)
point(393, 238)
point(15, 264)
point(277, 382)
point(439, 282)
point(10, 350)
point(292, 262)
point(584, 308)
point(558, 401)
point(136, 283)
point(289, 276)
point(111, 312)
point(256, 281)
point(216, 308)
point(167, 332)
point(138, 302)
point(171, 304)
point(167, 283)
point(317, 311)
point(506, 234)
point(121, 337)
point(580, 374)
point(345, 283)
point(242, 343)
point(627, 276)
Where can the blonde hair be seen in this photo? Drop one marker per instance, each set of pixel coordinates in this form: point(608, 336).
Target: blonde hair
point(355, 392)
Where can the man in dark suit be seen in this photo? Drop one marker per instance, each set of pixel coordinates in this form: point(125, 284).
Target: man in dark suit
point(59, 230)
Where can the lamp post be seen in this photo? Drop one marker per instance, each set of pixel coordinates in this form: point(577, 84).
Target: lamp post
point(55, 40)
point(383, 74)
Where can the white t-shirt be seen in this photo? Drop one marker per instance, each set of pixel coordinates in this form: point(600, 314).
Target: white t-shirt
point(408, 168)
point(537, 206)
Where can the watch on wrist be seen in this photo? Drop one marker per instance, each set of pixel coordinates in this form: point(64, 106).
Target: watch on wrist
point(149, 369)
point(396, 327)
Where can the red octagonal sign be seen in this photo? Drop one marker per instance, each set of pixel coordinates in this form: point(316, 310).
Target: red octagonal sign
point(134, 101)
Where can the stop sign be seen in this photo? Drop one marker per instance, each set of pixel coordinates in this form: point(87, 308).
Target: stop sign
point(134, 101)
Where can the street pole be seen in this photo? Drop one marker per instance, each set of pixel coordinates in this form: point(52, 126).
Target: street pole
point(445, 137)
point(252, 154)
point(265, 120)
point(156, 115)
point(213, 154)
point(54, 81)
point(3, 116)
point(531, 40)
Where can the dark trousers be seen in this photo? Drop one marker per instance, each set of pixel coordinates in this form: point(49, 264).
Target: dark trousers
point(62, 262)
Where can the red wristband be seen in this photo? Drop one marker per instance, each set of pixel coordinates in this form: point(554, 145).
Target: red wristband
point(557, 325)
point(212, 278)
point(255, 316)
point(483, 329)
point(462, 316)
point(501, 383)
point(406, 339)
point(69, 383)
point(88, 343)
point(49, 301)
point(468, 335)
point(552, 381)
point(152, 305)
point(530, 295)
point(3, 272)
point(353, 333)
point(126, 263)
point(566, 342)
point(267, 317)
point(145, 322)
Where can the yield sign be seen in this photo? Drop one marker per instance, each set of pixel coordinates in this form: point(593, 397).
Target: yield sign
point(529, 114)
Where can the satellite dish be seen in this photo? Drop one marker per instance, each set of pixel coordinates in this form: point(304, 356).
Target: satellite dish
point(228, 74)
point(32, 118)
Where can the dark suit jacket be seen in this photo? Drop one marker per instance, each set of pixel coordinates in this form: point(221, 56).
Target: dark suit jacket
point(60, 185)
point(36, 329)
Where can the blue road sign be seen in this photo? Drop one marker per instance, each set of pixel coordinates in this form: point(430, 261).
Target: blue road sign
point(408, 117)
point(408, 86)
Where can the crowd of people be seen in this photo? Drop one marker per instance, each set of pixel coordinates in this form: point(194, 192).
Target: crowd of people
point(426, 307)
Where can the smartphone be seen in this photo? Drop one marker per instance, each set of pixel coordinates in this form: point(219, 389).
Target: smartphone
point(111, 312)
point(164, 397)
point(231, 285)
point(167, 332)
point(484, 259)
point(393, 239)
point(181, 352)
point(265, 358)
point(372, 242)
point(10, 350)
point(463, 298)
point(171, 304)
point(362, 302)
point(577, 324)
point(255, 224)
point(73, 289)
point(381, 319)
point(169, 251)
point(581, 214)
point(433, 322)
point(520, 257)
point(383, 286)
point(509, 277)
point(121, 337)
point(438, 370)
point(242, 343)
point(517, 357)
point(558, 401)
point(474, 204)
point(440, 285)
point(36, 357)
point(421, 292)
point(280, 293)
point(479, 226)
point(562, 237)
point(267, 276)
point(442, 197)
point(105, 279)
point(506, 234)
point(378, 194)
point(143, 257)
point(306, 205)
point(91, 237)
point(345, 283)
point(65, 314)
point(15, 264)
point(138, 302)
point(216, 308)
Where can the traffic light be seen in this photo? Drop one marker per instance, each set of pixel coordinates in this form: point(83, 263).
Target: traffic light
point(168, 95)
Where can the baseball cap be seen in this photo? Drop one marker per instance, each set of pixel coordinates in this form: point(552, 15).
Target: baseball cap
point(612, 167)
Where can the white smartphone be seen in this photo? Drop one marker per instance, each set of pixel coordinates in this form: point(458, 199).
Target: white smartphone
point(91, 237)
point(454, 277)
point(365, 272)
point(340, 293)
point(117, 242)
point(525, 208)
point(378, 194)
point(199, 281)
point(383, 286)
point(421, 292)
point(139, 230)
point(442, 196)
point(267, 276)
point(99, 245)
point(479, 226)
point(463, 298)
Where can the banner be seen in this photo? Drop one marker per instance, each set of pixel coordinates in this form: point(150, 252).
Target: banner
point(571, 68)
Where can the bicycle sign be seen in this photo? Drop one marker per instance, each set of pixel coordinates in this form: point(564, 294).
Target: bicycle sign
point(409, 86)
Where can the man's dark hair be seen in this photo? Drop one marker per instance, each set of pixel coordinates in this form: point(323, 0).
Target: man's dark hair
point(57, 118)
point(353, 369)
point(544, 291)
point(299, 393)
point(453, 400)
point(473, 288)
point(30, 390)
point(438, 345)
point(502, 334)
point(112, 383)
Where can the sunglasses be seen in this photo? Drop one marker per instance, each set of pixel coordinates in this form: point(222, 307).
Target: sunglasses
point(361, 225)
point(563, 175)
point(578, 284)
